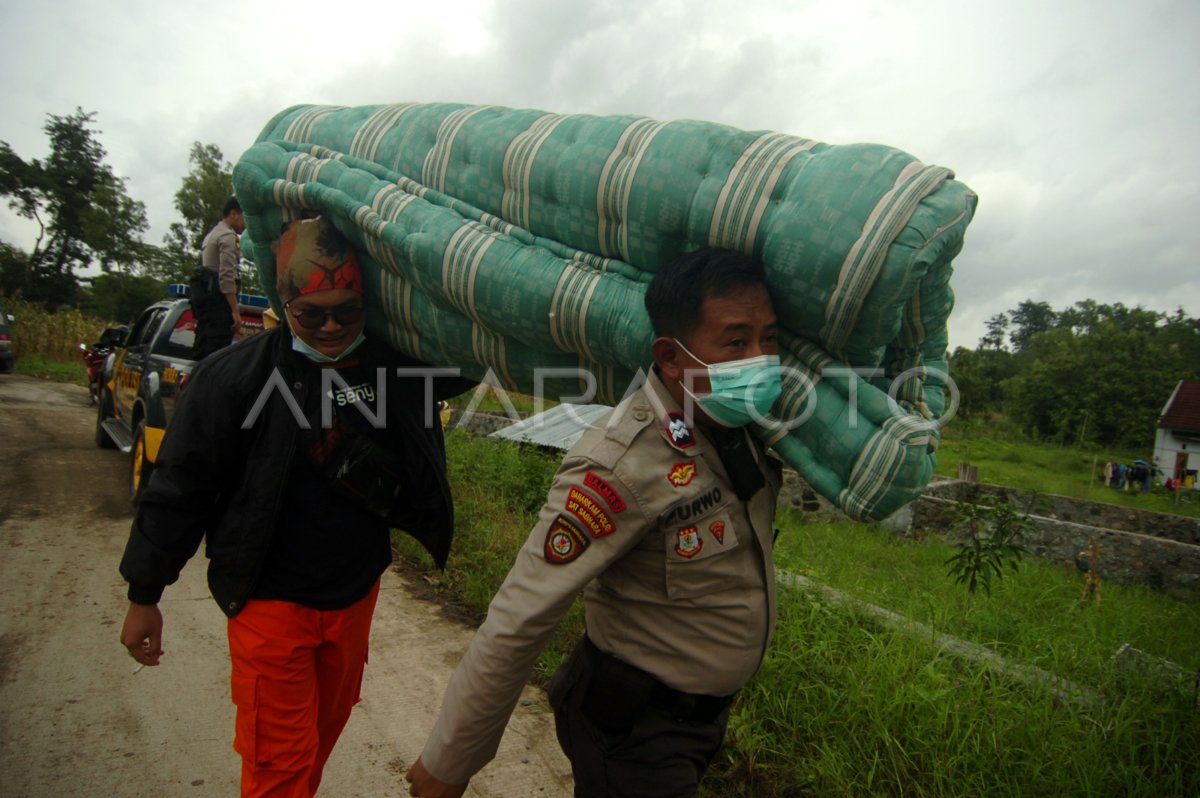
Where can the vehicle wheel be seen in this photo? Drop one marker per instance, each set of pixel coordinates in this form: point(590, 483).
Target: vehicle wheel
point(103, 408)
point(140, 468)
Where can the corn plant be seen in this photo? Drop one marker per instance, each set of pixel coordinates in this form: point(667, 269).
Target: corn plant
point(55, 336)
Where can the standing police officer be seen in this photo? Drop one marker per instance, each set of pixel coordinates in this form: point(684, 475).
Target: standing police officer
point(665, 514)
point(214, 283)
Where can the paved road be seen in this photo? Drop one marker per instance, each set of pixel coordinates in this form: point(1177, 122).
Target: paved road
point(75, 720)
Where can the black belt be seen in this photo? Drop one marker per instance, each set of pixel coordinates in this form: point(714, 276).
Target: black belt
point(690, 707)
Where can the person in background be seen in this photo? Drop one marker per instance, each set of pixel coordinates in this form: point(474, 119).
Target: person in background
point(663, 515)
point(214, 284)
point(293, 454)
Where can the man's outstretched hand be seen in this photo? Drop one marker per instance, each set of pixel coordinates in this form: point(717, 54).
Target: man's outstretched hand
point(422, 785)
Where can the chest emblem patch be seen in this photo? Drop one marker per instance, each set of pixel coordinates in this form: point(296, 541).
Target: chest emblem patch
point(688, 542)
point(581, 505)
point(678, 429)
point(564, 542)
point(682, 473)
point(717, 528)
point(605, 491)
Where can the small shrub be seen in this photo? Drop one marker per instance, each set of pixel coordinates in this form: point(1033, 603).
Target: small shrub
point(993, 531)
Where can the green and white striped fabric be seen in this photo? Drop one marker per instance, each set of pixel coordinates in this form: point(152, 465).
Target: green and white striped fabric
point(517, 240)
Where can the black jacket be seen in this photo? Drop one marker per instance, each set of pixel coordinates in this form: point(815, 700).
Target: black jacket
point(221, 478)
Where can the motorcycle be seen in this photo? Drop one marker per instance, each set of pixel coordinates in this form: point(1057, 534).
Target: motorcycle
point(95, 355)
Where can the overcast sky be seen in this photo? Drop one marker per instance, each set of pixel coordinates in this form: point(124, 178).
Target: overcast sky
point(1077, 122)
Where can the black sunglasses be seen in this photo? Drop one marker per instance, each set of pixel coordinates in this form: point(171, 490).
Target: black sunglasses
point(315, 318)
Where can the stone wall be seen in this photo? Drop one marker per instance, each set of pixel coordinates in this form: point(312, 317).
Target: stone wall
point(1126, 557)
point(1063, 508)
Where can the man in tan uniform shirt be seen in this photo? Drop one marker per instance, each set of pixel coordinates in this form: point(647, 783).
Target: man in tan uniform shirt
point(214, 283)
point(666, 516)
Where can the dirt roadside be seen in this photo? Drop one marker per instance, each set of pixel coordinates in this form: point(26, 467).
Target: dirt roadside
point(75, 720)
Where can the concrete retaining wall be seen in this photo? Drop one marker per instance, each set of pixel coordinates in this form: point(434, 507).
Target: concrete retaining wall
point(1063, 508)
point(1126, 557)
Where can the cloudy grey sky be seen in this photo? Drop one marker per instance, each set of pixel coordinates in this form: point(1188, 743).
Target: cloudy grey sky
point(1077, 122)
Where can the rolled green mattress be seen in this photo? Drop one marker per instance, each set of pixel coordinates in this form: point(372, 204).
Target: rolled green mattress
point(515, 241)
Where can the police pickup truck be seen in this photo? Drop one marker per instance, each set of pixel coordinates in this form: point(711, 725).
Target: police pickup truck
point(145, 374)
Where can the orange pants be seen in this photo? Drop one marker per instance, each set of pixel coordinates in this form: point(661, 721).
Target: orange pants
point(296, 676)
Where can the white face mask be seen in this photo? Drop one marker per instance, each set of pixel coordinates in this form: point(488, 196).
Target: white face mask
point(741, 391)
point(320, 357)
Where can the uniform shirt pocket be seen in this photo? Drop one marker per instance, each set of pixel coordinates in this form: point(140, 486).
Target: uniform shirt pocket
point(699, 555)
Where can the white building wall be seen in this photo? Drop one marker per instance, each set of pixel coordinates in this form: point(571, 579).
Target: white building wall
point(1167, 445)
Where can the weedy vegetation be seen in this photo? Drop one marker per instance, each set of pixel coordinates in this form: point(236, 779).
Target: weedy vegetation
point(845, 707)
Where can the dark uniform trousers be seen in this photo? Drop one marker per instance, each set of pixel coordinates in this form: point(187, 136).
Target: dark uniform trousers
point(627, 734)
point(214, 319)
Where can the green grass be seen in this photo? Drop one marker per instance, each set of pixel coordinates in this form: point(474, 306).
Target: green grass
point(1033, 614)
point(37, 365)
point(844, 707)
point(1004, 458)
point(498, 489)
point(499, 402)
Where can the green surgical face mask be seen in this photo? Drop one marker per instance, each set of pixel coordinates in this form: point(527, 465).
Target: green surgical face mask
point(742, 391)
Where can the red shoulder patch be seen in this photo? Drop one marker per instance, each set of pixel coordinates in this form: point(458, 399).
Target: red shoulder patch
point(564, 542)
point(583, 506)
point(605, 491)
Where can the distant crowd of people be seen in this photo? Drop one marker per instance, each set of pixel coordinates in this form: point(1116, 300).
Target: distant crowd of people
point(1138, 476)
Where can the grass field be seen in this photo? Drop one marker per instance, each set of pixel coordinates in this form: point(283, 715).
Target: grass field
point(842, 706)
point(36, 365)
point(1005, 458)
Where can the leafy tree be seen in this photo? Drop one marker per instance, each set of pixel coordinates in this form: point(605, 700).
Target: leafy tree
point(80, 206)
point(113, 228)
point(997, 327)
point(1181, 335)
point(1029, 319)
point(980, 375)
point(121, 297)
point(14, 270)
point(1107, 386)
point(199, 200)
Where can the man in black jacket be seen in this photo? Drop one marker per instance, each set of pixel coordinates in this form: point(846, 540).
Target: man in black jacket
point(293, 453)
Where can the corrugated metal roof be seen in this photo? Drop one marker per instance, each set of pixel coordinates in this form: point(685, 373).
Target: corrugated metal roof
point(1183, 412)
point(559, 427)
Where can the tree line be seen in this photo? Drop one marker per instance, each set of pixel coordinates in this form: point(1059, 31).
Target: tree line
point(1089, 374)
point(84, 217)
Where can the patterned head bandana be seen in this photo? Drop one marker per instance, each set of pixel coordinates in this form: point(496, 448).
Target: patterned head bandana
point(313, 256)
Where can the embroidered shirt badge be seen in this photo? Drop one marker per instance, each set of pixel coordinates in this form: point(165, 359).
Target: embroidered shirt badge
point(581, 505)
point(564, 542)
point(605, 491)
point(682, 473)
point(717, 528)
point(688, 542)
point(678, 429)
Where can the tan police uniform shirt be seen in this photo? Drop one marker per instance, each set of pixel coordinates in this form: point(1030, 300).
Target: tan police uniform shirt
point(678, 573)
point(220, 253)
